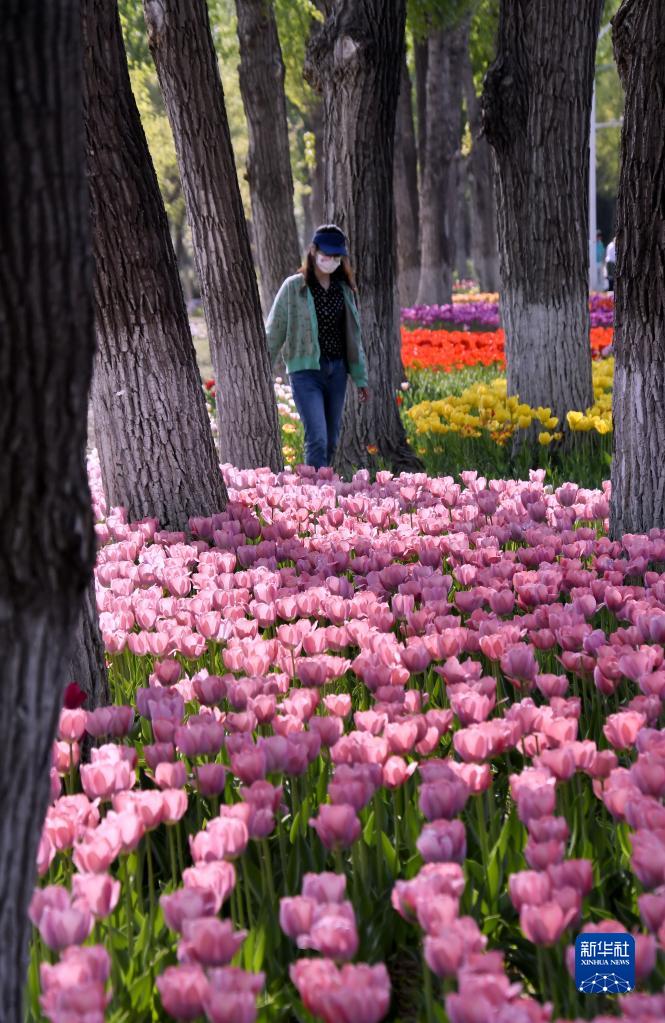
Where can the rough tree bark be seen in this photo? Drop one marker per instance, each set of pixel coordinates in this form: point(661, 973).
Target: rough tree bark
point(406, 193)
point(151, 425)
point(183, 50)
point(536, 110)
point(47, 544)
point(443, 135)
point(86, 664)
point(420, 58)
point(638, 468)
point(354, 60)
point(268, 161)
point(484, 244)
point(317, 179)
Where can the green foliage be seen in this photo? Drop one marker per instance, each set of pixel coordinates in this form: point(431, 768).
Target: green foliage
point(609, 107)
point(425, 15)
point(482, 38)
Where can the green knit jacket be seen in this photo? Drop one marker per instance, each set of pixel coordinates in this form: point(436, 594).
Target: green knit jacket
point(292, 329)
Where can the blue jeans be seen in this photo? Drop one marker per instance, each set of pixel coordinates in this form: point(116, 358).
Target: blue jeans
point(319, 397)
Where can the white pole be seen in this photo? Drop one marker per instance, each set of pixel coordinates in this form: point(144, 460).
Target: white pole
point(594, 283)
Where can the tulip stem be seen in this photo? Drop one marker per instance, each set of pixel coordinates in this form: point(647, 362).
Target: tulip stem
point(248, 893)
point(128, 906)
point(482, 833)
point(282, 854)
point(541, 973)
point(181, 858)
point(427, 987)
point(172, 855)
point(396, 826)
point(151, 891)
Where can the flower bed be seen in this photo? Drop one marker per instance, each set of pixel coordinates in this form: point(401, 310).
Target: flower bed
point(453, 349)
point(378, 751)
point(482, 310)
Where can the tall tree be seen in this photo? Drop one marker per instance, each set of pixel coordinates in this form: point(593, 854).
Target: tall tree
point(406, 193)
point(536, 112)
point(638, 468)
point(47, 545)
point(484, 244)
point(354, 60)
point(268, 162)
point(87, 661)
point(443, 125)
point(151, 425)
point(184, 54)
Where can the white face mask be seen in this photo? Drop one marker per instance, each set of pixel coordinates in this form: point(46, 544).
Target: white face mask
point(327, 264)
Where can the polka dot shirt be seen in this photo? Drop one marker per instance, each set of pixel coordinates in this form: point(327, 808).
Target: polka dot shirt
point(329, 305)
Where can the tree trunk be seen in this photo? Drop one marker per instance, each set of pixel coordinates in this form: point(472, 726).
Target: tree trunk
point(443, 135)
point(153, 434)
point(47, 544)
point(314, 125)
point(462, 216)
point(269, 161)
point(406, 193)
point(87, 664)
point(355, 61)
point(184, 54)
point(536, 110)
point(420, 54)
point(484, 245)
point(638, 469)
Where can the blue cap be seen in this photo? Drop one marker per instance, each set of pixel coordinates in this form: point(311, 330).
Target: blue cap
point(329, 239)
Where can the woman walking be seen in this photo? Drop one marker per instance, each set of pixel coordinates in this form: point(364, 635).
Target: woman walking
point(314, 323)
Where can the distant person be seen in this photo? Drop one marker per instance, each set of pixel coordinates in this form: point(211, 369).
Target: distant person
point(610, 264)
point(315, 324)
point(600, 259)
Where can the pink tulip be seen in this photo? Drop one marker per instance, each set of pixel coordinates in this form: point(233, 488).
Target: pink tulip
point(210, 779)
point(68, 926)
point(174, 805)
point(648, 859)
point(576, 874)
point(652, 909)
point(332, 932)
point(182, 990)
point(436, 915)
point(446, 950)
point(100, 892)
point(444, 798)
point(209, 941)
point(355, 994)
point(78, 965)
point(231, 995)
point(96, 852)
point(53, 896)
point(443, 841)
point(529, 887)
point(224, 838)
point(85, 1001)
point(396, 771)
point(71, 727)
point(65, 755)
point(336, 826)
point(621, 729)
point(544, 924)
point(325, 887)
point(171, 776)
point(295, 915)
point(115, 721)
point(188, 904)
point(102, 779)
point(218, 877)
point(45, 854)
